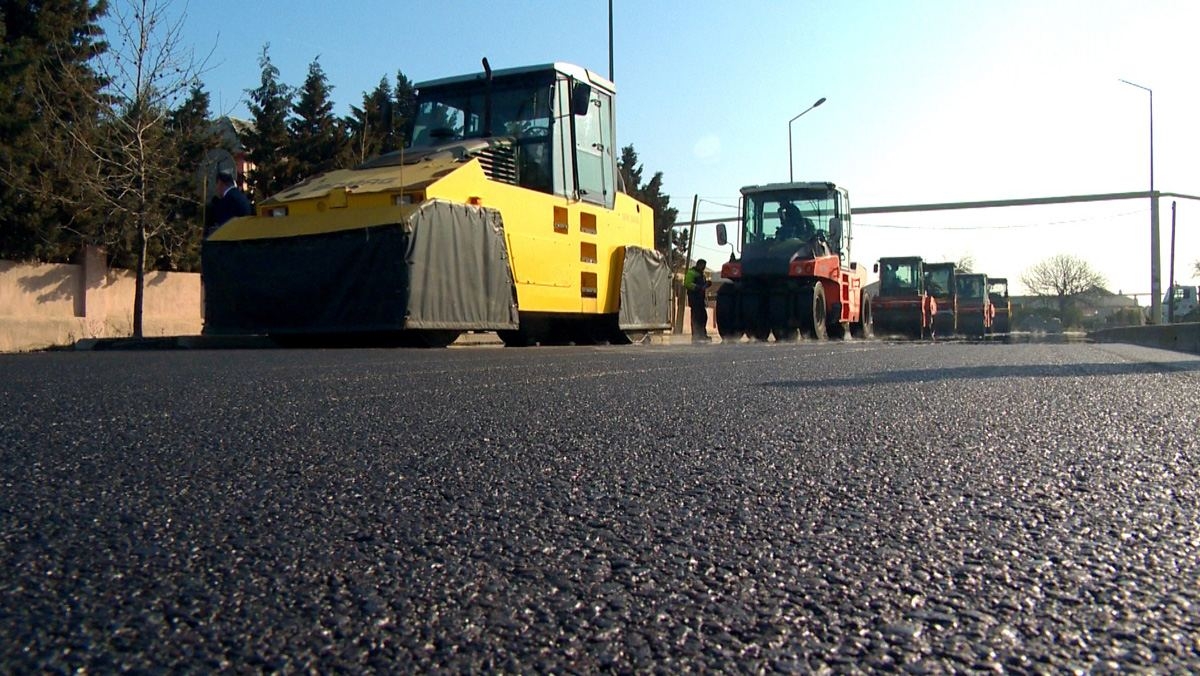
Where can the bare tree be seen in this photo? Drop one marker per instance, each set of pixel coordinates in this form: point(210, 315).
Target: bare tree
point(145, 70)
point(1064, 277)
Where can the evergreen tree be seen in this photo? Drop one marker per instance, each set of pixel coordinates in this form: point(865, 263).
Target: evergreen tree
point(317, 139)
point(269, 142)
point(48, 100)
point(665, 239)
point(630, 170)
point(371, 125)
point(405, 96)
point(190, 135)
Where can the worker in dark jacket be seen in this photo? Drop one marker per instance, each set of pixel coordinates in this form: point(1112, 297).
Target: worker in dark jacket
point(695, 283)
point(228, 202)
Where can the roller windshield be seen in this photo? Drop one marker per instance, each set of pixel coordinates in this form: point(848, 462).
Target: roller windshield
point(938, 281)
point(788, 214)
point(969, 287)
point(899, 278)
point(520, 107)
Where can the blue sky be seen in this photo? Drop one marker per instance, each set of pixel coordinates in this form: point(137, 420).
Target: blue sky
point(927, 101)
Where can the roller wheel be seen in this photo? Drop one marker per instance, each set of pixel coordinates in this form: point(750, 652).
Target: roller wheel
point(784, 334)
point(779, 316)
point(728, 326)
point(517, 338)
point(812, 302)
point(865, 327)
point(837, 330)
point(435, 338)
point(631, 338)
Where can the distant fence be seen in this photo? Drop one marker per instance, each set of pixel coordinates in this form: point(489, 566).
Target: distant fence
point(46, 305)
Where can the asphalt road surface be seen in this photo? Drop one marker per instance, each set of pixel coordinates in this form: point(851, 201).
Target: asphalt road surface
point(852, 506)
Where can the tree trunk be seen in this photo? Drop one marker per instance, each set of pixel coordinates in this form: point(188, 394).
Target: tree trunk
point(139, 291)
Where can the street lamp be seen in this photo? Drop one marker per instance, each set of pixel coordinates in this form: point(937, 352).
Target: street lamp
point(791, 176)
point(1155, 282)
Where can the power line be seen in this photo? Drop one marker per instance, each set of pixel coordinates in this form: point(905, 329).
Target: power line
point(719, 204)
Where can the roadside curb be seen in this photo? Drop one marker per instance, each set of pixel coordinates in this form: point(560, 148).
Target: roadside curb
point(479, 339)
point(176, 343)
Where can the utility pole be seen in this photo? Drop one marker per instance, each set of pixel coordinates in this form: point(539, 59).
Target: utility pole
point(1155, 262)
point(610, 42)
point(1171, 274)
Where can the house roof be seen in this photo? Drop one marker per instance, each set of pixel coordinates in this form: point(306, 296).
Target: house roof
point(232, 130)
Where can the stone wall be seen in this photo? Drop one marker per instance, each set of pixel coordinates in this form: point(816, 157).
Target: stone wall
point(46, 305)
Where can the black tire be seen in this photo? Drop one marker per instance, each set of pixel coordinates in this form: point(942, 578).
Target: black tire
point(784, 334)
point(779, 317)
point(865, 326)
point(814, 302)
point(434, 338)
point(629, 338)
point(515, 338)
point(753, 315)
point(836, 328)
point(728, 326)
point(804, 300)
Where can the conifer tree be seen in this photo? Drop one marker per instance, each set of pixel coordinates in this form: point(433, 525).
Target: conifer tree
point(190, 135)
point(317, 139)
point(269, 142)
point(47, 84)
point(665, 239)
point(371, 125)
point(405, 101)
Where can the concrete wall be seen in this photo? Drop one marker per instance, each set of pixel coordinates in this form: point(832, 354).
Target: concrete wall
point(1180, 337)
point(44, 305)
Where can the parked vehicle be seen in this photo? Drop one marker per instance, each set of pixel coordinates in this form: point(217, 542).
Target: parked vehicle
point(975, 311)
point(1184, 299)
point(504, 213)
point(1001, 305)
point(939, 283)
point(903, 305)
point(794, 275)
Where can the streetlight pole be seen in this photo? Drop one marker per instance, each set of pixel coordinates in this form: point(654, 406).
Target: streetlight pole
point(791, 176)
point(610, 42)
point(1171, 274)
point(1155, 265)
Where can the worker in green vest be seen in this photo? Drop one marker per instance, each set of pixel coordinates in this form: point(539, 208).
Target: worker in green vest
point(695, 283)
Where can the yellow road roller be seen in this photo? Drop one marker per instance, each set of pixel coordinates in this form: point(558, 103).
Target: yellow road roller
point(504, 212)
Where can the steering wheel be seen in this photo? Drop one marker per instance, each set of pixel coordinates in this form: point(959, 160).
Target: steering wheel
point(537, 131)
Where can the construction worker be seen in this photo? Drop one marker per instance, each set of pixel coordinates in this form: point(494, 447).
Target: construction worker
point(793, 225)
point(695, 283)
point(928, 313)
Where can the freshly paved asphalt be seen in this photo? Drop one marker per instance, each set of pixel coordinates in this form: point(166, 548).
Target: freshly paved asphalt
point(851, 506)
